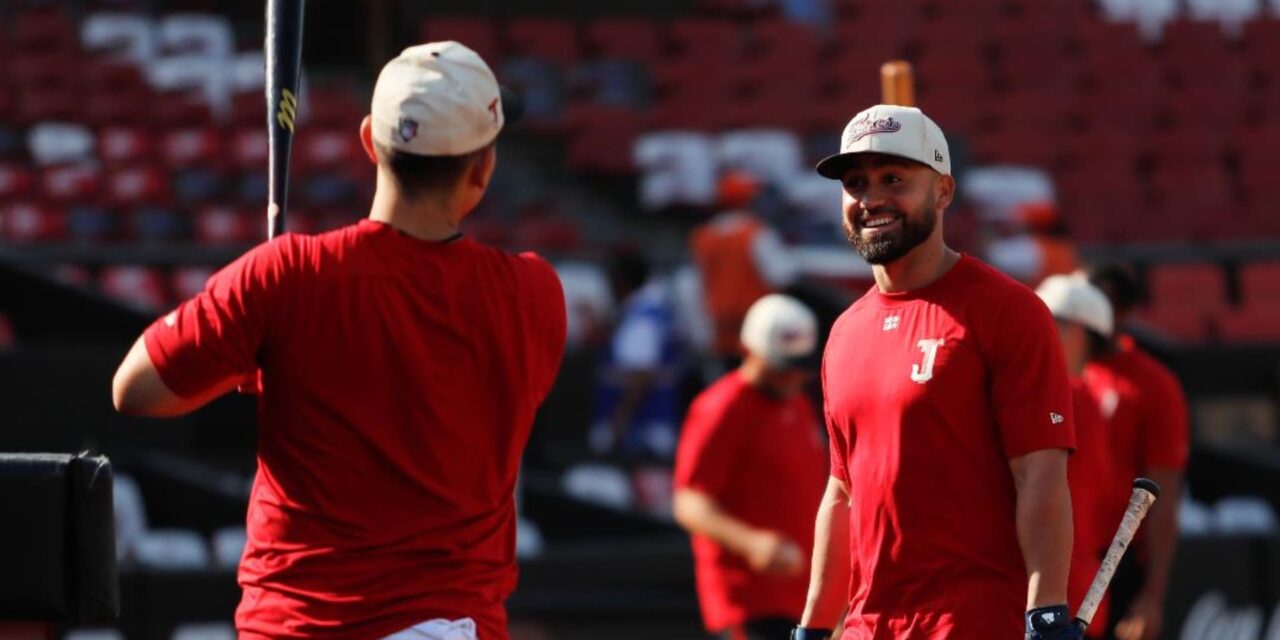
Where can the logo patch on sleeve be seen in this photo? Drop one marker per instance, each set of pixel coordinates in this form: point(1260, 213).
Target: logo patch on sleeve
point(1056, 418)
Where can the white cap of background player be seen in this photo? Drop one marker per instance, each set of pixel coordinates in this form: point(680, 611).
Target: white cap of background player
point(1074, 299)
point(436, 99)
point(893, 130)
point(781, 330)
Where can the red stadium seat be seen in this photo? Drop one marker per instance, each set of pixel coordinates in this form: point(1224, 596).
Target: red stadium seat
point(948, 38)
point(222, 225)
point(1250, 324)
point(1260, 283)
point(24, 222)
point(143, 287)
point(784, 40)
point(952, 71)
point(624, 39)
point(1188, 147)
point(41, 69)
point(137, 185)
point(873, 39)
point(605, 146)
point(193, 146)
point(705, 40)
point(477, 33)
point(1032, 111)
point(188, 282)
point(38, 104)
point(71, 184)
point(1191, 286)
point(543, 38)
point(1191, 201)
point(181, 109)
point(16, 181)
point(126, 145)
point(1186, 325)
point(1017, 146)
point(332, 106)
point(1262, 42)
point(43, 29)
point(105, 108)
point(327, 149)
point(957, 109)
point(1190, 108)
point(249, 149)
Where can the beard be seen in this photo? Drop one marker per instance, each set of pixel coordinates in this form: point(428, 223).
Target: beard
point(888, 246)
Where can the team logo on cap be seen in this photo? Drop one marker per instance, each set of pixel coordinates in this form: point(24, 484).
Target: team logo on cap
point(865, 126)
point(407, 130)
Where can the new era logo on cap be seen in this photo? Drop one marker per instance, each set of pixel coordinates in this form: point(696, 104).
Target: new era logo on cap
point(893, 130)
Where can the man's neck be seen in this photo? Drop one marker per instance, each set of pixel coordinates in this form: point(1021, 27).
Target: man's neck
point(919, 268)
point(425, 218)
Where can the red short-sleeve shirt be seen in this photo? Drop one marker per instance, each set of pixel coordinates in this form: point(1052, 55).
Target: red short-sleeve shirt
point(929, 395)
point(1145, 412)
point(399, 380)
point(1092, 480)
point(763, 461)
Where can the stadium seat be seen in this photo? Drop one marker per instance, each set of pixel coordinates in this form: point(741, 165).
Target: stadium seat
point(73, 183)
point(17, 180)
point(477, 33)
point(45, 28)
point(1193, 286)
point(1261, 41)
point(24, 222)
point(195, 34)
point(704, 39)
point(1182, 324)
point(1260, 283)
point(55, 143)
point(624, 39)
point(152, 224)
point(126, 145)
point(209, 78)
point(192, 147)
point(871, 38)
point(141, 184)
point(145, 288)
point(1189, 108)
point(600, 138)
point(248, 149)
point(1189, 146)
point(326, 149)
point(221, 225)
point(1231, 15)
point(949, 39)
point(91, 223)
point(125, 36)
point(953, 71)
point(547, 38)
point(189, 281)
point(1250, 323)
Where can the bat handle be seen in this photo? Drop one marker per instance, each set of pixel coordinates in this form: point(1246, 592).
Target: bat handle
point(1144, 495)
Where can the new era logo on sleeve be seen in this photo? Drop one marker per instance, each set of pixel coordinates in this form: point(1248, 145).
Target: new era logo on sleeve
point(1056, 418)
point(891, 323)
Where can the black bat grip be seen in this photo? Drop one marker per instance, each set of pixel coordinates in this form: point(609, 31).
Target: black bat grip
point(284, 67)
point(1147, 485)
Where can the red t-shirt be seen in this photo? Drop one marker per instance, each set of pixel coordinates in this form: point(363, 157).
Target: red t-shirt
point(399, 380)
point(763, 461)
point(929, 394)
point(1146, 418)
point(1092, 479)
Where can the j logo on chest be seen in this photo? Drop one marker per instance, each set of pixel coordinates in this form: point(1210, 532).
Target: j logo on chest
point(922, 372)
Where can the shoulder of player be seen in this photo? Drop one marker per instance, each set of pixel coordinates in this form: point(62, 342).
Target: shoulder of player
point(724, 398)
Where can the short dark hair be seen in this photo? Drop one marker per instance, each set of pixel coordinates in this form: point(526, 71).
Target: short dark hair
point(418, 175)
point(1119, 283)
point(1097, 345)
point(628, 269)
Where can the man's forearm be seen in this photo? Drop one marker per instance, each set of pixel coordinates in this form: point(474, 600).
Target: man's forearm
point(699, 514)
point(1044, 524)
point(829, 576)
point(1162, 531)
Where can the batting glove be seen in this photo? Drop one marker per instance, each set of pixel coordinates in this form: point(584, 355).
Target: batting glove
point(1052, 623)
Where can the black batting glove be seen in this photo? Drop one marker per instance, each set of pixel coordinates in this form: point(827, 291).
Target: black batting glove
point(1052, 623)
point(801, 633)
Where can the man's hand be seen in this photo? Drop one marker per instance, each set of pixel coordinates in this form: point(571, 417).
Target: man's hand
point(770, 552)
point(1052, 623)
point(1144, 619)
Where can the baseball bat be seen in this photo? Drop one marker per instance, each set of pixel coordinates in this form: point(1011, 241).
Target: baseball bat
point(897, 83)
point(1144, 495)
point(284, 65)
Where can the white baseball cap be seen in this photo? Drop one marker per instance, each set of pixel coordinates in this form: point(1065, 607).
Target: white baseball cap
point(893, 130)
point(437, 99)
point(1074, 299)
point(781, 330)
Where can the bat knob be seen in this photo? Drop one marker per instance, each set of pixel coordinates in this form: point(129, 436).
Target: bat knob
point(1148, 485)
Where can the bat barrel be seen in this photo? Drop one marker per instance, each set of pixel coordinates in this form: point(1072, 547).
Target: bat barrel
point(283, 50)
point(896, 84)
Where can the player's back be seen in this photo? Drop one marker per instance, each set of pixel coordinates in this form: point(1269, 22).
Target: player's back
point(400, 378)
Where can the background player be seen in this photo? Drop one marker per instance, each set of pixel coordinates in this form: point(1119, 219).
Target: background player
point(949, 411)
point(1146, 414)
point(1085, 324)
point(399, 363)
point(749, 474)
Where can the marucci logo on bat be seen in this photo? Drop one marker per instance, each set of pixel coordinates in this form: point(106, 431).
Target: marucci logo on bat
point(288, 109)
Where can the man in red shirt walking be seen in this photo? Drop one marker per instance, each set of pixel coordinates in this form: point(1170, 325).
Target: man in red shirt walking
point(399, 365)
point(947, 514)
point(1085, 325)
point(1146, 414)
point(749, 474)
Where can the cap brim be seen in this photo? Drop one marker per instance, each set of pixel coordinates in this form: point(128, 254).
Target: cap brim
point(835, 166)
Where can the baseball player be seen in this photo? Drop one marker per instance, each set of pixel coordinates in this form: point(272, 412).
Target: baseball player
point(399, 364)
point(1146, 415)
point(749, 474)
point(950, 419)
point(1085, 323)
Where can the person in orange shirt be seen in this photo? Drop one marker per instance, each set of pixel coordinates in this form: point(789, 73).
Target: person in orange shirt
point(740, 259)
point(1146, 414)
point(1085, 323)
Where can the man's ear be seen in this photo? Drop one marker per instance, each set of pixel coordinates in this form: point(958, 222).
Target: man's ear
point(482, 169)
point(945, 191)
point(366, 138)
